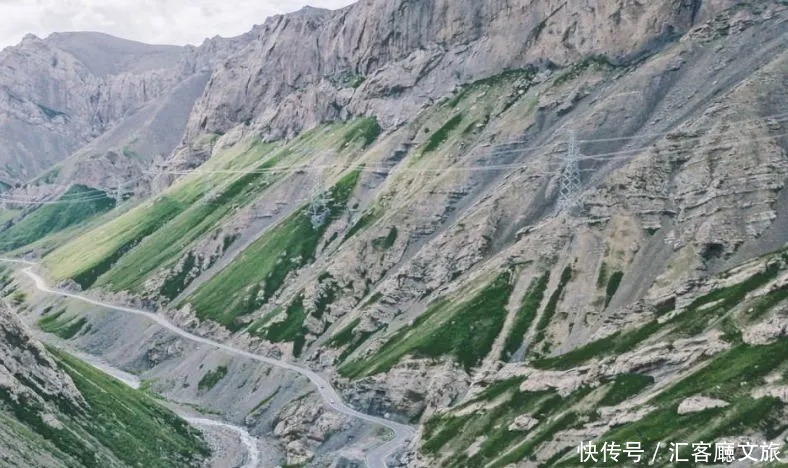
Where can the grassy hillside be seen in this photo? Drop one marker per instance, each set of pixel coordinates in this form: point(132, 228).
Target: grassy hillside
point(487, 421)
point(124, 252)
point(120, 427)
point(92, 254)
point(249, 281)
point(465, 331)
point(77, 205)
point(158, 250)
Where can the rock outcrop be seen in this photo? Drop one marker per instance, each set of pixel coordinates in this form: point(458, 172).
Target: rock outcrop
point(696, 404)
point(27, 372)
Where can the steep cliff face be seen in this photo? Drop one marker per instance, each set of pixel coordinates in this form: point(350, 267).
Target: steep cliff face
point(27, 372)
point(390, 58)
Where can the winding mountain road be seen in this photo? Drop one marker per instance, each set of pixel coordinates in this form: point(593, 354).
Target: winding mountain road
point(375, 458)
point(245, 439)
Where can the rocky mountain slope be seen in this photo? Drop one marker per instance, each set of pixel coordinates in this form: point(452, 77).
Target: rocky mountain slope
point(108, 104)
point(388, 59)
point(58, 411)
point(388, 210)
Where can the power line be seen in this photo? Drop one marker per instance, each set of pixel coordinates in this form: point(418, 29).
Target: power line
point(766, 119)
point(622, 154)
point(611, 156)
point(490, 149)
point(90, 197)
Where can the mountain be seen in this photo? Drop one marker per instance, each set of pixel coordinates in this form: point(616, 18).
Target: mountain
point(58, 411)
point(511, 245)
point(91, 108)
point(61, 92)
point(389, 59)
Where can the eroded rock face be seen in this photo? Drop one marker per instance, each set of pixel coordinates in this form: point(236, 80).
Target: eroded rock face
point(58, 94)
point(666, 211)
point(303, 425)
point(523, 423)
point(389, 58)
point(769, 331)
point(28, 373)
point(415, 389)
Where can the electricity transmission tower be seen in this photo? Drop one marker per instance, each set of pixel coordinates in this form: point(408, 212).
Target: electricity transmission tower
point(319, 209)
point(570, 177)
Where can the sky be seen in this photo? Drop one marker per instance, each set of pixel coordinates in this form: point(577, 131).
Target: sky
point(175, 22)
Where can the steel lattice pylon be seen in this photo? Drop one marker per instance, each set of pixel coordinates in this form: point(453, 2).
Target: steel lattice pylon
point(570, 178)
point(319, 209)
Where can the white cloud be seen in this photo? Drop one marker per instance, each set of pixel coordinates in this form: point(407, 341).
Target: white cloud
point(152, 21)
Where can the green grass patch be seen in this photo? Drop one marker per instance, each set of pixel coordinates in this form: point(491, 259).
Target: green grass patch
point(730, 376)
point(344, 336)
point(164, 246)
point(18, 297)
point(175, 284)
point(525, 315)
point(126, 234)
point(125, 251)
point(260, 271)
point(612, 286)
point(373, 299)
point(354, 341)
point(118, 426)
point(730, 372)
point(732, 295)
point(624, 387)
point(465, 331)
point(366, 220)
point(527, 448)
point(64, 327)
point(211, 378)
point(77, 205)
point(494, 81)
point(552, 305)
point(577, 69)
point(764, 415)
point(601, 279)
point(329, 290)
point(767, 302)
point(440, 136)
point(385, 243)
point(497, 389)
point(365, 131)
point(693, 321)
point(448, 436)
point(264, 402)
point(292, 328)
point(688, 323)
point(617, 343)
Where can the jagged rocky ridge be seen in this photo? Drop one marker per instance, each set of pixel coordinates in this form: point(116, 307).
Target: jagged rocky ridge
point(94, 109)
